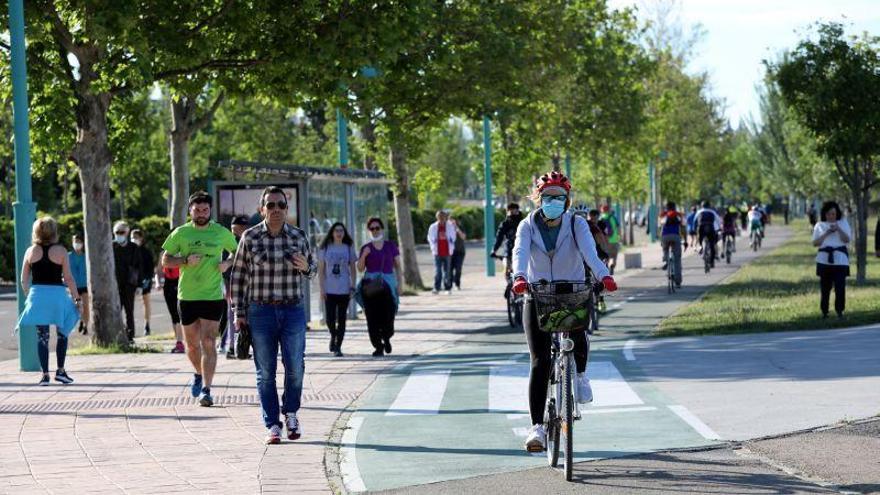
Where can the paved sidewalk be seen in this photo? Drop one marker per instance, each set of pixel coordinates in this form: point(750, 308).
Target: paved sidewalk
point(129, 425)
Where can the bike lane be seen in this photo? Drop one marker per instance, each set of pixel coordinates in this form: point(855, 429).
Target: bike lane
point(462, 412)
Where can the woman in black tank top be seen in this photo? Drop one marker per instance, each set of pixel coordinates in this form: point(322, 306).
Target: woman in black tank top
point(47, 303)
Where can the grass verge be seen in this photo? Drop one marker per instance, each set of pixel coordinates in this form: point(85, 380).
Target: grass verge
point(93, 350)
point(778, 291)
point(160, 336)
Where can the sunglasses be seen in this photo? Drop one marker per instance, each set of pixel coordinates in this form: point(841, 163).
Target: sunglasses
point(559, 197)
point(280, 205)
point(375, 228)
point(121, 232)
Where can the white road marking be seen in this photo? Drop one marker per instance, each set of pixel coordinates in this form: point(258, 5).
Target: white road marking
point(688, 417)
point(617, 305)
point(628, 350)
point(351, 475)
point(615, 410)
point(508, 388)
point(609, 387)
point(421, 394)
point(630, 298)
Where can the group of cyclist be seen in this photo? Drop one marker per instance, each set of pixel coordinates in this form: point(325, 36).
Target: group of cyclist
point(559, 244)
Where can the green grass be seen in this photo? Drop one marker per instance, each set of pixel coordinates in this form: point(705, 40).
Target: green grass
point(93, 350)
point(160, 336)
point(777, 292)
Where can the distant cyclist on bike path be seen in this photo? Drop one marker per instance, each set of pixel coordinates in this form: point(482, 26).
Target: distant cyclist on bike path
point(546, 250)
point(672, 233)
point(729, 227)
point(756, 220)
point(507, 232)
point(613, 233)
point(708, 226)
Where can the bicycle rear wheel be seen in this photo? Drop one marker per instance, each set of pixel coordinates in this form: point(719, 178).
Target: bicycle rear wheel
point(729, 251)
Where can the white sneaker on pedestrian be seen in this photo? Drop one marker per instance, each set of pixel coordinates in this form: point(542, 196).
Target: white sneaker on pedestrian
point(448, 292)
point(535, 440)
point(294, 428)
point(435, 292)
point(585, 391)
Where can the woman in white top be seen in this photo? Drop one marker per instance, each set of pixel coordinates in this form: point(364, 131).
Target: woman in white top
point(832, 235)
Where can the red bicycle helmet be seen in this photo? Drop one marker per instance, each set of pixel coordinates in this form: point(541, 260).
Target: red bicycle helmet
point(554, 179)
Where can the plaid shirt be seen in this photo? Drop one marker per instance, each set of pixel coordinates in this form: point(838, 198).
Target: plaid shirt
point(262, 270)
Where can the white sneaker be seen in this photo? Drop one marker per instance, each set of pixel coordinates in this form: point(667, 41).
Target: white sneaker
point(294, 427)
point(535, 440)
point(435, 292)
point(585, 391)
point(448, 293)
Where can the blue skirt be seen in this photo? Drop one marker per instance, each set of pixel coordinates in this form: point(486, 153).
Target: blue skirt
point(49, 305)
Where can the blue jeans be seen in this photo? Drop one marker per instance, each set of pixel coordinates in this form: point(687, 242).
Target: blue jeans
point(443, 271)
point(271, 326)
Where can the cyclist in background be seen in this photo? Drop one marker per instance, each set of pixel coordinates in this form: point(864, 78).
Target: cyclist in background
point(691, 221)
point(552, 245)
point(729, 228)
point(507, 232)
point(756, 221)
point(612, 230)
point(672, 232)
point(708, 226)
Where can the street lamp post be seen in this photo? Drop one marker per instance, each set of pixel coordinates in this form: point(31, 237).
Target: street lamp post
point(489, 212)
point(25, 210)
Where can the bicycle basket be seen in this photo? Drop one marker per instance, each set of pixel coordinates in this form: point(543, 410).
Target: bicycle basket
point(562, 306)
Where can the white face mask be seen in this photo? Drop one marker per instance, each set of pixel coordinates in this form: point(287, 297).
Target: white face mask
point(121, 239)
point(78, 246)
point(137, 241)
point(377, 237)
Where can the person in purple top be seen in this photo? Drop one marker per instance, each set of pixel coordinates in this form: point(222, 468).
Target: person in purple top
point(377, 291)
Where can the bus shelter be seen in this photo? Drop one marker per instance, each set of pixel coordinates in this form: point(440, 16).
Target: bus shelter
point(318, 197)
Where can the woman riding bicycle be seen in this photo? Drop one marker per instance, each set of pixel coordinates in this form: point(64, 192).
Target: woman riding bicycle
point(544, 250)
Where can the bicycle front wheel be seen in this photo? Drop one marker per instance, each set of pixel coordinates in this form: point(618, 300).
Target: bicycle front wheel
point(511, 309)
point(552, 425)
point(568, 417)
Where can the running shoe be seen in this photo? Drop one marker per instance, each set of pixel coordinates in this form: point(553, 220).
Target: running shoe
point(231, 354)
point(147, 329)
point(196, 387)
point(205, 399)
point(61, 376)
point(274, 435)
point(294, 427)
point(388, 346)
point(535, 440)
point(338, 353)
point(585, 391)
point(378, 353)
point(178, 348)
point(44, 382)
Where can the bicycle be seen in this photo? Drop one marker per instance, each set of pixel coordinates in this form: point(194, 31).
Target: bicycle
point(670, 274)
point(562, 309)
point(728, 248)
point(514, 301)
point(755, 239)
point(707, 255)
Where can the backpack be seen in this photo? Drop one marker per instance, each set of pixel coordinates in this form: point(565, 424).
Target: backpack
point(706, 218)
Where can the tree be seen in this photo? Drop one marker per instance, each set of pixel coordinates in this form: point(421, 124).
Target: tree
point(833, 86)
point(88, 56)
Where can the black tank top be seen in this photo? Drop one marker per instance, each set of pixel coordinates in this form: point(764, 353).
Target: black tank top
point(44, 271)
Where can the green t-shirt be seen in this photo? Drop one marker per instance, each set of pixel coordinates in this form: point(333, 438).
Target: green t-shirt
point(202, 282)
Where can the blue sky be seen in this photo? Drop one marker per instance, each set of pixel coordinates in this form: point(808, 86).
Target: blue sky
point(742, 33)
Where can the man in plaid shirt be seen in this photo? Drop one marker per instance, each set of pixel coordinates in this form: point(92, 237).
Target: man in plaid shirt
point(268, 276)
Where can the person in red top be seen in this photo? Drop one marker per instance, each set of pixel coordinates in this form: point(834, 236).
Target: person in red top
point(169, 290)
point(441, 237)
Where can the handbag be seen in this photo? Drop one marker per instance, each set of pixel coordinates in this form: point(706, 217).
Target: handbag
point(372, 287)
point(243, 342)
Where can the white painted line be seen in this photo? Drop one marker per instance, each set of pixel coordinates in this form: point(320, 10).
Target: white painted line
point(421, 394)
point(351, 475)
point(609, 387)
point(628, 350)
point(630, 298)
point(617, 305)
point(695, 422)
point(611, 410)
point(517, 416)
point(508, 388)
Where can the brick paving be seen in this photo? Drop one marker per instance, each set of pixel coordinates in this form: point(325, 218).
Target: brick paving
point(128, 424)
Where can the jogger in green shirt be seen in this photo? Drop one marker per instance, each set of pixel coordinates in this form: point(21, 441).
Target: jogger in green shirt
point(197, 248)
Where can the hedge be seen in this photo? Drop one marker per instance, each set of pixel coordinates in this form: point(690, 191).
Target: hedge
point(155, 228)
point(470, 219)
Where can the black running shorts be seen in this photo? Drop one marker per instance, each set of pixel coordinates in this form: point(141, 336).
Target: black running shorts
point(190, 311)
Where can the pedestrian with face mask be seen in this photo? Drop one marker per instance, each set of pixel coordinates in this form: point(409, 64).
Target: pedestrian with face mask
point(378, 291)
point(77, 261)
point(129, 261)
point(148, 271)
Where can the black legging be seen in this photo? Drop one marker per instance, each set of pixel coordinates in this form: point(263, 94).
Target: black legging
point(169, 290)
point(43, 348)
point(126, 297)
point(539, 348)
point(832, 276)
point(335, 314)
point(379, 311)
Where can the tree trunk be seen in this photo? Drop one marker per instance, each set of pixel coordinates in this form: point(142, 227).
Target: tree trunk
point(179, 143)
point(92, 156)
point(555, 157)
point(411, 275)
point(860, 198)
